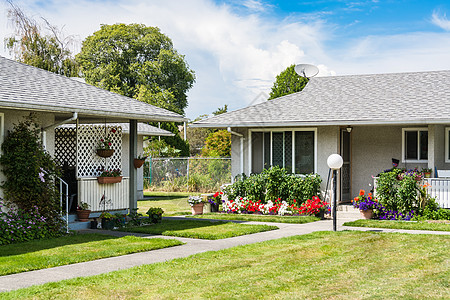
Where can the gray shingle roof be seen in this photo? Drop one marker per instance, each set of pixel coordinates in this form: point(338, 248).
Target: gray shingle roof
point(27, 87)
point(397, 98)
point(143, 129)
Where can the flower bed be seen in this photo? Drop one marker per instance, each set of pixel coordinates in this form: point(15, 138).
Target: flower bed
point(276, 207)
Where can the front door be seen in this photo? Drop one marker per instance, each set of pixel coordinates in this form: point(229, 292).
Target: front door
point(346, 167)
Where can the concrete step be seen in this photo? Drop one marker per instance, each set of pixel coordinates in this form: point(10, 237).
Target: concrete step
point(79, 225)
point(347, 208)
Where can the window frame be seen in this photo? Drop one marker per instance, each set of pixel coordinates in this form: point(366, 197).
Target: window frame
point(271, 130)
point(447, 140)
point(418, 130)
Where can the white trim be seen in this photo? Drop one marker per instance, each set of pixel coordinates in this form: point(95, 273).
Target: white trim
point(447, 150)
point(418, 129)
point(2, 130)
point(249, 154)
point(271, 130)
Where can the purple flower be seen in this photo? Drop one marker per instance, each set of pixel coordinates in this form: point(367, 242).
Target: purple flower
point(41, 176)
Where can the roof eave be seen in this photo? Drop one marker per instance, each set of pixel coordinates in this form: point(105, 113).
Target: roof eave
point(322, 123)
point(90, 112)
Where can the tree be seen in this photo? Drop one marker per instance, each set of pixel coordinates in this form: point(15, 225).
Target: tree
point(218, 144)
point(287, 82)
point(32, 46)
point(139, 62)
point(221, 110)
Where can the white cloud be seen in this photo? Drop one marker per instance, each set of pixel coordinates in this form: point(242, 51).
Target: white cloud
point(440, 20)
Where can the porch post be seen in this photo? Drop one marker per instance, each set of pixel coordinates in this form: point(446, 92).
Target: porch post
point(132, 169)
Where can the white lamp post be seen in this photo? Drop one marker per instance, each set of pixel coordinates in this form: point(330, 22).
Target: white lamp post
point(334, 162)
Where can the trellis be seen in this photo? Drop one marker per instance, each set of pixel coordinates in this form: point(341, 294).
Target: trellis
point(66, 146)
point(88, 138)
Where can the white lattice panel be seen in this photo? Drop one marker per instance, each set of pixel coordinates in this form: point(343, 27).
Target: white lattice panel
point(66, 146)
point(88, 138)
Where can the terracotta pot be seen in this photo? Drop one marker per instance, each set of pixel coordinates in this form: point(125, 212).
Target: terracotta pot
point(83, 215)
point(105, 152)
point(366, 214)
point(105, 180)
point(197, 209)
point(427, 174)
point(138, 163)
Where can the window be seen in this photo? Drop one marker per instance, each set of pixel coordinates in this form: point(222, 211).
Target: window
point(293, 150)
point(415, 145)
point(447, 145)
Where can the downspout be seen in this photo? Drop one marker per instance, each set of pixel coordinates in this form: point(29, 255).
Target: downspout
point(241, 146)
point(44, 129)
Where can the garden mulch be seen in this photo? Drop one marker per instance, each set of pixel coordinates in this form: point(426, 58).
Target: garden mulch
point(191, 246)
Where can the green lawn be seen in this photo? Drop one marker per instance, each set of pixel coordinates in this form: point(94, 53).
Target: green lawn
point(200, 229)
point(321, 265)
point(259, 218)
point(42, 254)
point(400, 225)
point(171, 202)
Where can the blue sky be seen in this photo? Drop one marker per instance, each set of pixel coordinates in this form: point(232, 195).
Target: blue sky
point(237, 47)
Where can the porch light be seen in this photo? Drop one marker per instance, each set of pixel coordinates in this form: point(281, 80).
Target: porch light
point(349, 129)
point(334, 162)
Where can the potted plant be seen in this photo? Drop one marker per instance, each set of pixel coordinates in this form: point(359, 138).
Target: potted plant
point(108, 220)
point(109, 176)
point(365, 204)
point(139, 161)
point(83, 211)
point(426, 172)
point(215, 201)
point(104, 147)
point(155, 214)
point(196, 203)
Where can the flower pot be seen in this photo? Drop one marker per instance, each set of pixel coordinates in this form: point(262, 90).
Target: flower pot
point(105, 180)
point(214, 207)
point(427, 174)
point(83, 215)
point(105, 152)
point(366, 214)
point(138, 163)
point(197, 209)
point(321, 214)
point(107, 224)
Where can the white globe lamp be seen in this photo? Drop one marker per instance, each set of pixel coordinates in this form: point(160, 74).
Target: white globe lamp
point(335, 161)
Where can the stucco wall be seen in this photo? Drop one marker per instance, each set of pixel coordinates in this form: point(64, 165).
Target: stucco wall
point(327, 144)
point(436, 146)
point(236, 153)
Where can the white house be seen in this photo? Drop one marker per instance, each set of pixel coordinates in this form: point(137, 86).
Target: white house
point(58, 100)
point(367, 119)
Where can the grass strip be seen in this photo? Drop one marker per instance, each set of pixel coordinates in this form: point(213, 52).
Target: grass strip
point(42, 254)
point(259, 218)
point(422, 225)
point(200, 229)
point(321, 265)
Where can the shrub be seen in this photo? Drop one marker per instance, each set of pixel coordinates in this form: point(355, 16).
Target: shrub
point(30, 173)
point(398, 191)
point(275, 183)
point(155, 214)
point(19, 225)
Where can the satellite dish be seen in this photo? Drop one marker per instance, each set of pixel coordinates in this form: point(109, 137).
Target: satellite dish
point(306, 70)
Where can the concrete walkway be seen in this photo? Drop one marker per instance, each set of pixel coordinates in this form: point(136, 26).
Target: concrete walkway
point(191, 246)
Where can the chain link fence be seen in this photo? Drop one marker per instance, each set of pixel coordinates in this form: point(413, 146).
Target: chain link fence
point(193, 174)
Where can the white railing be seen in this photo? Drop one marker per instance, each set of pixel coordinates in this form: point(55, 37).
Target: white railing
point(101, 197)
point(438, 188)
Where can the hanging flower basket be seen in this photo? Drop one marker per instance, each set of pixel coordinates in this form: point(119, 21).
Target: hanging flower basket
point(105, 152)
point(105, 180)
point(138, 163)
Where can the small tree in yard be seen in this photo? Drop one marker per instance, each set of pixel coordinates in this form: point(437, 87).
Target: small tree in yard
point(218, 144)
point(30, 173)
